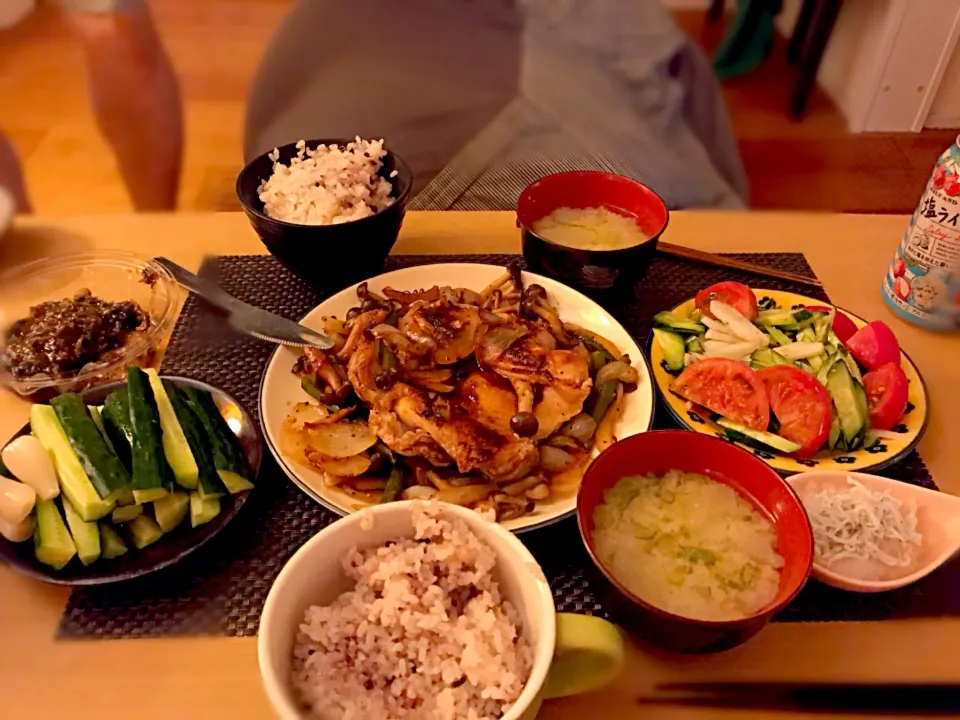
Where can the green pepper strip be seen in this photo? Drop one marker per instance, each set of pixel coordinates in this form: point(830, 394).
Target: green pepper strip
point(606, 394)
point(395, 486)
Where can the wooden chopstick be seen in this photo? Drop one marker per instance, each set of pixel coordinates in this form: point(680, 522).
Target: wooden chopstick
point(873, 698)
point(685, 253)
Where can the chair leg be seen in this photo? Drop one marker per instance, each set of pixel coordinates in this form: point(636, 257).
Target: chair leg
point(821, 26)
point(715, 12)
point(801, 31)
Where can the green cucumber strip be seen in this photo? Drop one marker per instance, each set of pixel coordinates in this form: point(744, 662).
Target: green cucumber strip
point(175, 445)
point(52, 542)
point(86, 535)
point(111, 544)
point(101, 465)
point(151, 471)
point(74, 483)
point(208, 481)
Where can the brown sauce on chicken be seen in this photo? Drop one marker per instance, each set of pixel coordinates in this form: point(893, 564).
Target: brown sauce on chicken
point(60, 337)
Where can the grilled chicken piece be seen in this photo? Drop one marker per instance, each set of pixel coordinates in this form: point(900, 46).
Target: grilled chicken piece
point(405, 440)
point(449, 329)
point(362, 370)
point(562, 376)
point(472, 427)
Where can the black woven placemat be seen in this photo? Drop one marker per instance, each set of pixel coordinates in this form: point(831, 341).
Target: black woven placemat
point(221, 589)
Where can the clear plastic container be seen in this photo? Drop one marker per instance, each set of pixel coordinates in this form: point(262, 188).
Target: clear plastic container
point(110, 275)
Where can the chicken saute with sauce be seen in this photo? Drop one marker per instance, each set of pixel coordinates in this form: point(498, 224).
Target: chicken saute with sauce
point(479, 398)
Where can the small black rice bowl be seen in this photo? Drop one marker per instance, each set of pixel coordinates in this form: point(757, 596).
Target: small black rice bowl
point(329, 257)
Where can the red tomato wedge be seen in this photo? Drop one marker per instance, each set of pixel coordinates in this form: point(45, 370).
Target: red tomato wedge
point(843, 327)
point(874, 345)
point(801, 405)
point(887, 390)
point(727, 387)
point(735, 294)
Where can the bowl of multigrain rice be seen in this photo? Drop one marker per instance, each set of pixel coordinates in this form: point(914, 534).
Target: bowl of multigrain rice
point(423, 610)
point(330, 210)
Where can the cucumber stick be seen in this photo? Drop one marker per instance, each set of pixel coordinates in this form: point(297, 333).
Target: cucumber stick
point(209, 483)
point(125, 513)
point(73, 478)
point(203, 510)
point(104, 469)
point(86, 535)
point(152, 476)
point(115, 416)
point(226, 450)
point(144, 531)
point(171, 510)
point(52, 541)
point(111, 544)
point(234, 483)
point(175, 445)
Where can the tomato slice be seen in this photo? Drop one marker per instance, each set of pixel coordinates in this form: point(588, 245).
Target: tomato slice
point(801, 405)
point(887, 390)
point(735, 294)
point(874, 345)
point(843, 327)
point(727, 387)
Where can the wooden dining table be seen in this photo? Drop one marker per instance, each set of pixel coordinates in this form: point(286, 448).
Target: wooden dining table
point(42, 676)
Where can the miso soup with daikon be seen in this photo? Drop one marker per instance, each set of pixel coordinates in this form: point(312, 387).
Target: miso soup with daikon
point(590, 229)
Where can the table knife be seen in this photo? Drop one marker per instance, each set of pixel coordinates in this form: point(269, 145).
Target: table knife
point(247, 318)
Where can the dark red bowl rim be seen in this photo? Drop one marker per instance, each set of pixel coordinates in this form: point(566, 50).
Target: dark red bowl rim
point(766, 612)
point(599, 251)
point(399, 165)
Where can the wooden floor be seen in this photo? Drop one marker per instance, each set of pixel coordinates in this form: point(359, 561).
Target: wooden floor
point(216, 45)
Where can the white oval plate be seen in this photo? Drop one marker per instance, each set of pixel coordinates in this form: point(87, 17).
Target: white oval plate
point(280, 389)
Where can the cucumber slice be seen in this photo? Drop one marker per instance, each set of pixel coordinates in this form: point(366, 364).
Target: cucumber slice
point(171, 510)
point(234, 483)
point(125, 514)
point(203, 510)
point(86, 535)
point(208, 481)
point(753, 438)
point(767, 358)
point(673, 348)
point(843, 390)
point(52, 542)
point(144, 531)
point(835, 437)
point(694, 344)
point(679, 325)
point(111, 544)
point(104, 469)
point(74, 482)
point(777, 336)
point(175, 445)
point(777, 316)
point(151, 471)
point(142, 497)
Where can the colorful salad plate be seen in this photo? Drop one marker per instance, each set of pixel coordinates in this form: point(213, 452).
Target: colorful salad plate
point(825, 344)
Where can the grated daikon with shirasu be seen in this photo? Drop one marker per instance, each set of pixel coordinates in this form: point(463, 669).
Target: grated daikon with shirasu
point(853, 523)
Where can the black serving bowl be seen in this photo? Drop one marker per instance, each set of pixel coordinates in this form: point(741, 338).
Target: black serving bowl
point(173, 546)
point(329, 257)
point(591, 270)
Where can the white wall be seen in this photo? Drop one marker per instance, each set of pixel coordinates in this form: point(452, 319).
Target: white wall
point(945, 110)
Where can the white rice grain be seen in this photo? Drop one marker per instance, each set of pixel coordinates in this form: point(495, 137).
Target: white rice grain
point(327, 185)
point(424, 634)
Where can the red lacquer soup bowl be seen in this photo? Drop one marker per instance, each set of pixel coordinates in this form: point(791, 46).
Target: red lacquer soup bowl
point(659, 452)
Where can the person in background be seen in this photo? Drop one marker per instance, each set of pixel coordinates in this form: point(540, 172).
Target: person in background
point(482, 97)
point(135, 97)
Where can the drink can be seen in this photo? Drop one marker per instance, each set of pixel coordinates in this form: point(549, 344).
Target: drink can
point(923, 282)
